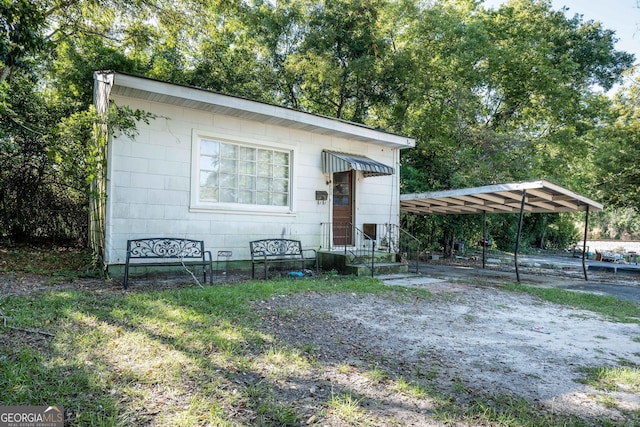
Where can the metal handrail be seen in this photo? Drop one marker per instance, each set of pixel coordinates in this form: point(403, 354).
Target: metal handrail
point(403, 243)
point(398, 241)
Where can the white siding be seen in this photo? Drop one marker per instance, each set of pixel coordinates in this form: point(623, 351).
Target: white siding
point(150, 183)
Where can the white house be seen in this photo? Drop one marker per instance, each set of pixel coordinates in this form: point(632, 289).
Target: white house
point(229, 170)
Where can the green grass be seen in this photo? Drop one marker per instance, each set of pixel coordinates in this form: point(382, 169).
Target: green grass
point(197, 356)
point(611, 307)
point(121, 359)
point(613, 378)
point(347, 407)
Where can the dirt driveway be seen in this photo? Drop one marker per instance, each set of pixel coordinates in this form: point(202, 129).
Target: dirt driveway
point(470, 340)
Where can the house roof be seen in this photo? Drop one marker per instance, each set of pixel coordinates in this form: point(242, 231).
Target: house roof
point(540, 197)
point(192, 97)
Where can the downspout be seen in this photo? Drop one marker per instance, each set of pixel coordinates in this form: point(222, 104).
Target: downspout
point(515, 254)
point(584, 243)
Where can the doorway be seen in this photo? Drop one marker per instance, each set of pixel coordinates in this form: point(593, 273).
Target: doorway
point(343, 196)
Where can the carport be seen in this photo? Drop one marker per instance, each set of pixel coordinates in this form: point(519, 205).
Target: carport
point(534, 196)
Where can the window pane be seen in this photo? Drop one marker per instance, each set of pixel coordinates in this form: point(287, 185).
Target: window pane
point(280, 172)
point(247, 197)
point(247, 168)
point(209, 163)
point(263, 198)
point(210, 148)
point(247, 154)
point(265, 169)
point(280, 158)
point(227, 195)
point(228, 181)
point(208, 179)
point(209, 194)
point(229, 151)
point(247, 182)
point(228, 166)
point(265, 156)
point(279, 199)
point(264, 184)
point(281, 185)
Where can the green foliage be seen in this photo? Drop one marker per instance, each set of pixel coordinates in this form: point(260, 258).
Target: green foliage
point(21, 30)
point(623, 223)
point(617, 176)
point(491, 95)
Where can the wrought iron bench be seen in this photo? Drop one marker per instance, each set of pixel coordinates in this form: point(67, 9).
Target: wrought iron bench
point(167, 252)
point(280, 251)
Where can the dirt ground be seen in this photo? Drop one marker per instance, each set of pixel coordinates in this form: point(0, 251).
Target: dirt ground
point(468, 339)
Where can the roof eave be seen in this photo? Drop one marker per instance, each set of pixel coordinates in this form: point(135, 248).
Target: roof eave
point(192, 97)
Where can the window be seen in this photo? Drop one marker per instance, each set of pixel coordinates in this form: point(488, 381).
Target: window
point(244, 175)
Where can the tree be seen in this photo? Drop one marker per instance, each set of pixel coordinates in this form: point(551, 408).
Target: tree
point(490, 95)
point(617, 151)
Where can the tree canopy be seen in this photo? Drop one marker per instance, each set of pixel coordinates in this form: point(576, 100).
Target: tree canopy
point(491, 95)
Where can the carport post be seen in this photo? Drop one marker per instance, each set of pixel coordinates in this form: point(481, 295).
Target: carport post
point(484, 238)
point(584, 243)
point(515, 254)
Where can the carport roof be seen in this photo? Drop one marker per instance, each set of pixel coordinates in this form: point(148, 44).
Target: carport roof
point(540, 196)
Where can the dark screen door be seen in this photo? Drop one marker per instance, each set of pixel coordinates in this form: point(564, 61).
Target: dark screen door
point(342, 208)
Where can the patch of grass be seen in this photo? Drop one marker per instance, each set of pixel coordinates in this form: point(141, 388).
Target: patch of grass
point(345, 406)
point(613, 378)
point(377, 375)
point(130, 359)
point(429, 374)
point(413, 389)
point(611, 307)
point(284, 361)
point(277, 414)
point(502, 410)
point(345, 368)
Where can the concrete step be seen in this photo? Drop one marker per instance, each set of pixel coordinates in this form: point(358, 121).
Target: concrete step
point(382, 268)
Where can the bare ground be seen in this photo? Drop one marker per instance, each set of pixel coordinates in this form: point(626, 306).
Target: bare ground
point(467, 341)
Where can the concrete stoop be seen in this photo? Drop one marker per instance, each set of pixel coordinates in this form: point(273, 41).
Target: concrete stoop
point(378, 269)
point(384, 263)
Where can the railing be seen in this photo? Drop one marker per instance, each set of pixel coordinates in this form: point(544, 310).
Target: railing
point(359, 247)
point(400, 242)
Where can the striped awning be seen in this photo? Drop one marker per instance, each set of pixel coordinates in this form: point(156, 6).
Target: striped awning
point(333, 161)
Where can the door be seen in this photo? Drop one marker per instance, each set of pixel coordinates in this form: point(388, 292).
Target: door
point(343, 208)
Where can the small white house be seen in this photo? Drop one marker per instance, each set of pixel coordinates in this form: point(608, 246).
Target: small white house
point(229, 170)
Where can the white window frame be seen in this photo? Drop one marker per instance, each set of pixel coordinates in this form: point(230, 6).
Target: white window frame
point(197, 204)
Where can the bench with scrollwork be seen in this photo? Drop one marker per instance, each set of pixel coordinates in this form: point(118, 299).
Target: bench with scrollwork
point(167, 252)
point(280, 251)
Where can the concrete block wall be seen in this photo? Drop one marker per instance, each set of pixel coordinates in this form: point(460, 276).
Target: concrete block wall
point(150, 183)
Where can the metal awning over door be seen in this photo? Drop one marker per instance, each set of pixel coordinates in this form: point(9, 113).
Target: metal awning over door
point(333, 161)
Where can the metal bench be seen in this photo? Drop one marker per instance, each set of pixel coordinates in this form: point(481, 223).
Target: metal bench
point(167, 252)
point(280, 251)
